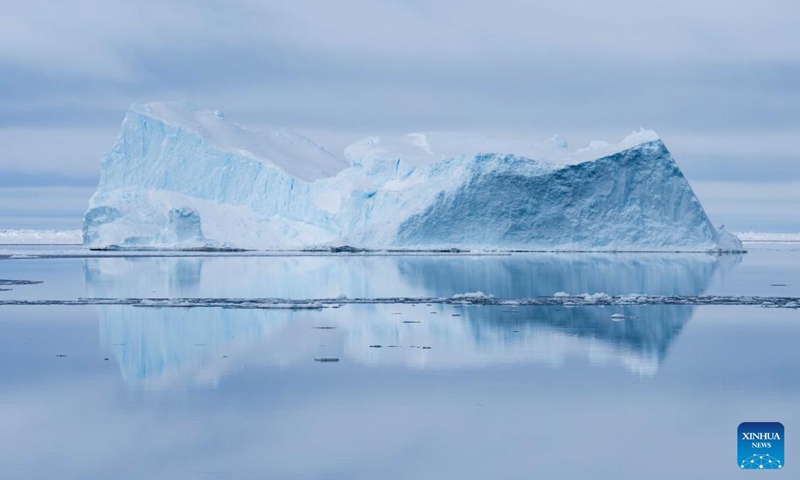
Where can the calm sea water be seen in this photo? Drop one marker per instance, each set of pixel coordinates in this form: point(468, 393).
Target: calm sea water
point(397, 391)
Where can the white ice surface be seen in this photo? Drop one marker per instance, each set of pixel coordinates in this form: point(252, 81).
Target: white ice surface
point(282, 148)
point(41, 237)
point(425, 148)
point(768, 237)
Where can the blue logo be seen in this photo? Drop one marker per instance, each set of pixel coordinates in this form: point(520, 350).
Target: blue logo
point(761, 446)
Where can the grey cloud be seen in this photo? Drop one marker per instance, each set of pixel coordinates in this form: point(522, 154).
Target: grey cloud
point(43, 207)
point(465, 64)
point(357, 67)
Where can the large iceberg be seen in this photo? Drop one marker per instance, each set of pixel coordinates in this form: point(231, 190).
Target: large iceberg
point(183, 177)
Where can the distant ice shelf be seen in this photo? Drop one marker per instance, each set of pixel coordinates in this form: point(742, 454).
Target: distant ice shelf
point(180, 177)
point(769, 237)
point(41, 237)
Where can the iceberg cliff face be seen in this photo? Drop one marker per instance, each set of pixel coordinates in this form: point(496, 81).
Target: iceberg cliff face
point(180, 177)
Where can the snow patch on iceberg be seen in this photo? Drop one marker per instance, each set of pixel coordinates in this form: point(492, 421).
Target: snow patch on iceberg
point(182, 177)
point(282, 149)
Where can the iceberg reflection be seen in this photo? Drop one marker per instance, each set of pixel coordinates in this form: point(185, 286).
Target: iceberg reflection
point(159, 346)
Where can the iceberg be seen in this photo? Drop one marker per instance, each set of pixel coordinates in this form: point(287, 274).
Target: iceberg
point(180, 177)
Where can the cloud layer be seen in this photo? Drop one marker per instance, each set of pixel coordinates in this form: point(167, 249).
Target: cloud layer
point(701, 74)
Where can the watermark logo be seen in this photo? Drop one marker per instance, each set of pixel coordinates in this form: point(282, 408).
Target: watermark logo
point(761, 446)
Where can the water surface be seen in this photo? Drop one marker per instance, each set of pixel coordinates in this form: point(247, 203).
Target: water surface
point(415, 391)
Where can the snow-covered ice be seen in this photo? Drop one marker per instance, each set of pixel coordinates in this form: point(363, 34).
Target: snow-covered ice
point(769, 237)
point(471, 296)
point(41, 237)
point(183, 177)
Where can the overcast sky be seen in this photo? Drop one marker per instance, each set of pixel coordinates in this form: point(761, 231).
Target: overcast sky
point(718, 80)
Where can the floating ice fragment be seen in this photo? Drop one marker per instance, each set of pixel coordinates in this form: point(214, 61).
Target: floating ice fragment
point(596, 297)
point(471, 296)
